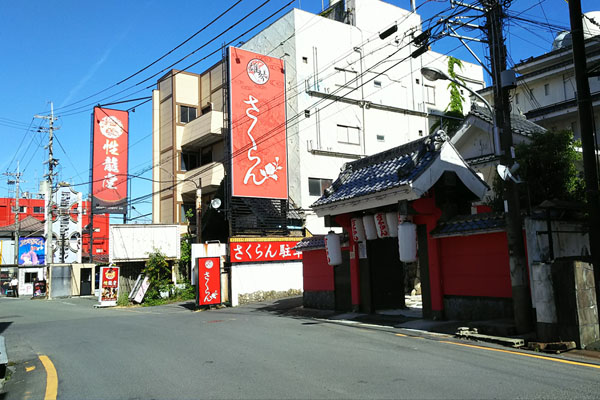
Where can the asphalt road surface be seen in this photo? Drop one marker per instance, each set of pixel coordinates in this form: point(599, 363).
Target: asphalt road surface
point(255, 352)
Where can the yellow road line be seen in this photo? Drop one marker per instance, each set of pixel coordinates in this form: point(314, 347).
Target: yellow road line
point(401, 335)
point(525, 354)
point(29, 369)
point(51, 378)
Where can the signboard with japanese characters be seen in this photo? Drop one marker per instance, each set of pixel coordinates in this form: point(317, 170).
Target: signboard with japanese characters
point(209, 280)
point(258, 125)
point(109, 286)
point(264, 251)
point(66, 225)
point(109, 161)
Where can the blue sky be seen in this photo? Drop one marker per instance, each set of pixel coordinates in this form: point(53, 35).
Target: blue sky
point(68, 51)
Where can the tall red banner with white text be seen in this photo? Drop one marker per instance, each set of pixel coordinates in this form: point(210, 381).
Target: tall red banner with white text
point(109, 161)
point(258, 125)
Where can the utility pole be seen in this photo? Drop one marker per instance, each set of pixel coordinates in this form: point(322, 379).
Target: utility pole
point(514, 227)
point(52, 162)
point(17, 180)
point(586, 122)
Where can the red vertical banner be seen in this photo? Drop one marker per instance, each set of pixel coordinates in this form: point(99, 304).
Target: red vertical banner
point(209, 280)
point(109, 161)
point(258, 125)
point(109, 286)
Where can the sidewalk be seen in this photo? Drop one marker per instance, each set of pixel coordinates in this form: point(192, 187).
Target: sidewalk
point(411, 318)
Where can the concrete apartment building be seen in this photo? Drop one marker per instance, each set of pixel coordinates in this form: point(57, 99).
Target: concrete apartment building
point(546, 91)
point(350, 94)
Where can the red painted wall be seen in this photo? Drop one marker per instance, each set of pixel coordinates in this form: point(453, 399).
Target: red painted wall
point(475, 265)
point(318, 275)
point(101, 222)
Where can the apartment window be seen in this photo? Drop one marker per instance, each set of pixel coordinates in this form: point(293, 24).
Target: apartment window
point(346, 77)
point(187, 114)
point(317, 186)
point(206, 156)
point(417, 81)
point(189, 161)
point(380, 138)
point(348, 134)
point(22, 209)
point(429, 94)
point(30, 277)
point(38, 210)
point(420, 132)
point(517, 98)
point(377, 84)
point(307, 113)
point(184, 209)
point(547, 89)
point(305, 60)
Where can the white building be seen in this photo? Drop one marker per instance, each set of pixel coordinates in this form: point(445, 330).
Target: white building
point(546, 86)
point(349, 94)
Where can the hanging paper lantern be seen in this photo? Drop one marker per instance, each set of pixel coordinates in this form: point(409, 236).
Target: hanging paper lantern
point(333, 248)
point(381, 225)
point(370, 229)
point(407, 242)
point(358, 230)
point(392, 222)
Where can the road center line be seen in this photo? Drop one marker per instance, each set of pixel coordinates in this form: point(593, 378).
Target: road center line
point(525, 354)
point(51, 378)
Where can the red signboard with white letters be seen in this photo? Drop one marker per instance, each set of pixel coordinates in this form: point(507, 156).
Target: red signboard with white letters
point(263, 251)
point(109, 161)
point(209, 280)
point(109, 285)
point(258, 122)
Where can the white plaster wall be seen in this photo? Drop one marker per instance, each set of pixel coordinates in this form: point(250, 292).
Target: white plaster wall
point(254, 277)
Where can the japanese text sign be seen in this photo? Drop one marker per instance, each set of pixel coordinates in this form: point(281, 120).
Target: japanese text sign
point(109, 161)
point(258, 125)
point(209, 280)
point(264, 251)
point(109, 286)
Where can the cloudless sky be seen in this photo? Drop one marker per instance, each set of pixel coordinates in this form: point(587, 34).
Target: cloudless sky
point(66, 51)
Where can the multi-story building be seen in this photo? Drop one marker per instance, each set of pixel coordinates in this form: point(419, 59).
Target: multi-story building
point(353, 89)
point(546, 90)
point(35, 207)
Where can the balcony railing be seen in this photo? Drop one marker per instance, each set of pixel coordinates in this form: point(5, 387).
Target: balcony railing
point(203, 131)
point(211, 174)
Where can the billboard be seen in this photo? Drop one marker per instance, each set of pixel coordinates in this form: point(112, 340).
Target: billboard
point(110, 135)
point(32, 251)
point(264, 251)
point(109, 285)
point(66, 225)
point(258, 125)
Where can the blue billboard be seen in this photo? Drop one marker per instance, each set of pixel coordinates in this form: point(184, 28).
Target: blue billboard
point(32, 251)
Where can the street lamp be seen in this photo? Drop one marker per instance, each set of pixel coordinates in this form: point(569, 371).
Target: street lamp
point(434, 74)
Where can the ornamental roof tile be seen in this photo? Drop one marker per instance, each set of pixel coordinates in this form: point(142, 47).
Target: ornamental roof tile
point(469, 224)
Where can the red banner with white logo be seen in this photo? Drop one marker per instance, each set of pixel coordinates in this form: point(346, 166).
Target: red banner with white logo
point(109, 161)
point(264, 251)
point(209, 280)
point(258, 122)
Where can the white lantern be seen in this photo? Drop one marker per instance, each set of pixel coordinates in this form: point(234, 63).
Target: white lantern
point(370, 230)
point(381, 225)
point(407, 242)
point(358, 230)
point(392, 221)
point(333, 248)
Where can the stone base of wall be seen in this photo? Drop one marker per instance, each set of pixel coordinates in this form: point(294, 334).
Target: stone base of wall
point(321, 299)
point(259, 296)
point(471, 308)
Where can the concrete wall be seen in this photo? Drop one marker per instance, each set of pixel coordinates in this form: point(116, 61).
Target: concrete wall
point(252, 282)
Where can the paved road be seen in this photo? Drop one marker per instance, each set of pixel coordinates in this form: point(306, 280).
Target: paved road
point(171, 352)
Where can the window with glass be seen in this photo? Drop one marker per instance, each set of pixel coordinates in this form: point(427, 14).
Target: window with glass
point(184, 208)
point(348, 134)
point(206, 156)
point(187, 114)
point(429, 94)
point(317, 186)
point(38, 210)
point(189, 161)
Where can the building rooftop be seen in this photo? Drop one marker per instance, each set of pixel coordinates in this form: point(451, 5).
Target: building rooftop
point(28, 224)
point(470, 224)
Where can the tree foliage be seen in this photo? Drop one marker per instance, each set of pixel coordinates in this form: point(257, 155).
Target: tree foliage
point(454, 111)
point(548, 168)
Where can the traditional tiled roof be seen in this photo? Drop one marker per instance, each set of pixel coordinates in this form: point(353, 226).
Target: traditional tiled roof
point(469, 224)
point(316, 242)
point(386, 170)
point(518, 123)
point(27, 224)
